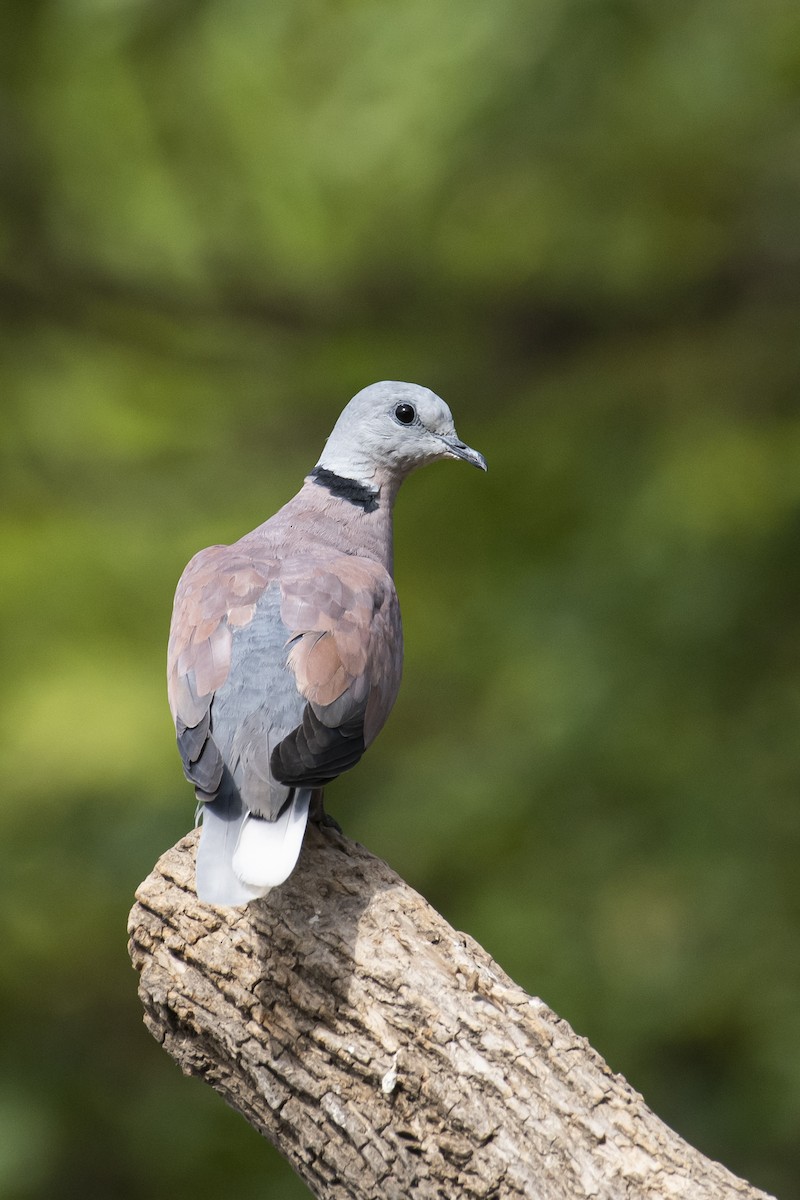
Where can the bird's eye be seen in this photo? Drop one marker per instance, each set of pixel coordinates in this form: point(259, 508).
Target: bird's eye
point(405, 413)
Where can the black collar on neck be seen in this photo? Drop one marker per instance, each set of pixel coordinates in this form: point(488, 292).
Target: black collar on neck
point(351, 490)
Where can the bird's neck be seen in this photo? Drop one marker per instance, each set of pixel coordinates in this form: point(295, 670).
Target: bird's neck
point(360, 513)
point(332, 513)
point(365, 496)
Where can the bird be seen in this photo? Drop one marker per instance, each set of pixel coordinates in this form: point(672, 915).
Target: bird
point(286, 647)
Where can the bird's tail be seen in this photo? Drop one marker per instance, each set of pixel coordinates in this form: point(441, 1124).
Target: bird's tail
point(243, 856)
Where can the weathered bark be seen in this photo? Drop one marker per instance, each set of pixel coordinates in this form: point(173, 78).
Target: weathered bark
point(387, 1056)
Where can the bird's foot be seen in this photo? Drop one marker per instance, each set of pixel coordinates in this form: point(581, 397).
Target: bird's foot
point(317, 813)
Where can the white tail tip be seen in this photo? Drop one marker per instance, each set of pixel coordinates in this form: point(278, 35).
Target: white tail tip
point(266, 851)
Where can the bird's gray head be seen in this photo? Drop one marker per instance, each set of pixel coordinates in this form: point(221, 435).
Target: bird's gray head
point(390, 429)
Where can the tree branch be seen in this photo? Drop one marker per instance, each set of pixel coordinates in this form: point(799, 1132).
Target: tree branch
point(384, 1054)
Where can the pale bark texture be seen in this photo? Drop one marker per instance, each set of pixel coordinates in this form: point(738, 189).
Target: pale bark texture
point(385, 1055)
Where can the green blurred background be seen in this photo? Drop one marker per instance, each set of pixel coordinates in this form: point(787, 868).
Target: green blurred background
point(579, 222)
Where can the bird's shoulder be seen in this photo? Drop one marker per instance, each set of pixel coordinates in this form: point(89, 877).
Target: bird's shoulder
point(323, 589)
point(223, 581)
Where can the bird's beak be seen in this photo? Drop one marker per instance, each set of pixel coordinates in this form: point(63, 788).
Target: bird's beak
point(459, 449)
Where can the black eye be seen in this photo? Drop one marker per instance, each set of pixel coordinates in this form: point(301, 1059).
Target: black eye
point(405, 413)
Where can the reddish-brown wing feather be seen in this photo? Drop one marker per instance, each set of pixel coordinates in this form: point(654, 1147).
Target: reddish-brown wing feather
point(347, 651)
point(217, 594)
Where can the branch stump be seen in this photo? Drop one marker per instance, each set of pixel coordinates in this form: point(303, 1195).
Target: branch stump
point(387, 1056)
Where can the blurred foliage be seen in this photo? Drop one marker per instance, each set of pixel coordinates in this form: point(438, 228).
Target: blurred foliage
point(577, 220)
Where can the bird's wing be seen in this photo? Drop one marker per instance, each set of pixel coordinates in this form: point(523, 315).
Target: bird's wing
point(344, 649)
point(346, 653)
point(216, 596)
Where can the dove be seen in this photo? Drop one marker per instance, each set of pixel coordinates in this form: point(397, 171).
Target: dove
point(286, 647)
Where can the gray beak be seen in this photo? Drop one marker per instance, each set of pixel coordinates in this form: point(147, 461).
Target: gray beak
point(459, 449)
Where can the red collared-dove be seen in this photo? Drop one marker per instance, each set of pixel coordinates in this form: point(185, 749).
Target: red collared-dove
point(286, 648)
